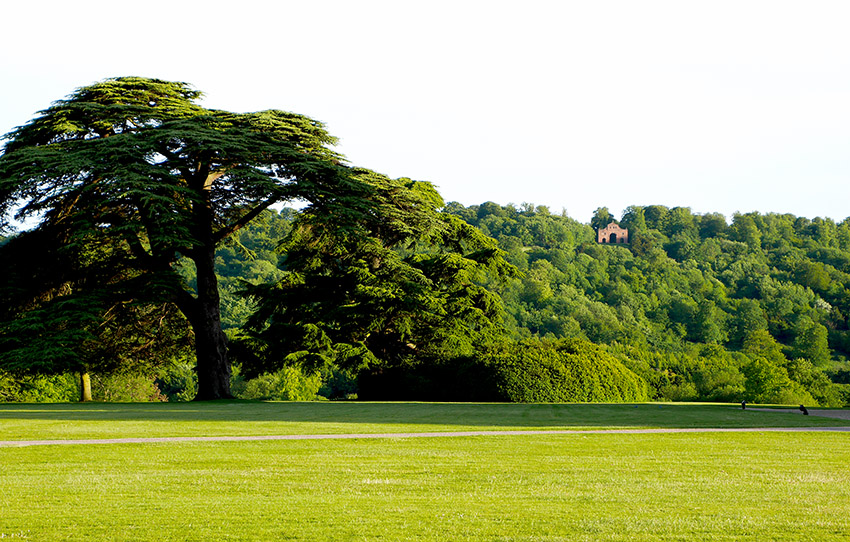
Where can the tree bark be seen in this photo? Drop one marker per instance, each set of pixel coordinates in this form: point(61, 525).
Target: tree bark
point(213, 366)
point(85, 388)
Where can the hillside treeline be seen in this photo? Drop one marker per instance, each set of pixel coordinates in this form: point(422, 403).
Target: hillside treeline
point(701, 308)
point(695, 307)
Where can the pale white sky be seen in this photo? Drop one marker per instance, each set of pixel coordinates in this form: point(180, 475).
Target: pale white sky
point(721, 106)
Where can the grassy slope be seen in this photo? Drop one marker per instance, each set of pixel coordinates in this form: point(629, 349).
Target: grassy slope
point(708, 486)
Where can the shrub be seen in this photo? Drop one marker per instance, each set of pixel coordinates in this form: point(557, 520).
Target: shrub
point(527, 371)
point(126, 388)
point(563, 371)
point(39, 389)
point(686, 391)
point(769, 383)
point(178, 381)
point(338, 384)
point(287, 384)
point(794, 394)
point(844, 393)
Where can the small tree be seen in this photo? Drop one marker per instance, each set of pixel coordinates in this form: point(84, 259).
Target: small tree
point(811, 342)
point(601, 218)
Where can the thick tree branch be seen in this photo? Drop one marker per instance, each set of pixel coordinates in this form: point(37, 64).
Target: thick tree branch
point(187, 304)
point(232, 228)
point(213, 177)
point(142, 256)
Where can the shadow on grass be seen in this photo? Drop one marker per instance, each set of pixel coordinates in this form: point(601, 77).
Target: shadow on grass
point(449, 414)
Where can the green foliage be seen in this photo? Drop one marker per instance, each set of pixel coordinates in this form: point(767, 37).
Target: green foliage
point(765, 382)
point(816, 382)
point(691, 301)
point(174, 381)
point(601, 218)
point(72, 309)
point(177, 381)
point(338, 384)
point(395, 288)
point(287, 384)
point(249, 257)
point(38, 388)
point(133, 388)
point(137, 168)
point(811, 342)
point(565, 371)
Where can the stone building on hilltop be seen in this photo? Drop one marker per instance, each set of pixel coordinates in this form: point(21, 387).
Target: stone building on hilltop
point(612, 234)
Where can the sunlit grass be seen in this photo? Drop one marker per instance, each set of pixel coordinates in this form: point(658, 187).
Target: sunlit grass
point(750, 486)
point(707, 486)
point(74, 421)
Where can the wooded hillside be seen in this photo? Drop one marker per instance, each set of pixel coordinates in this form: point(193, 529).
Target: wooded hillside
point(696, 305)
point(699, 308)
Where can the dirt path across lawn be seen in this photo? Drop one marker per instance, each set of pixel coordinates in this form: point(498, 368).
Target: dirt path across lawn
point(22, 443)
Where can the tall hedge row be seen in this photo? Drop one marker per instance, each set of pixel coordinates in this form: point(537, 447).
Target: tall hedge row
point(530, 371)
point(563, 371)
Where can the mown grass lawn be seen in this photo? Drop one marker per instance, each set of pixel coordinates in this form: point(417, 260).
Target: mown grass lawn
point(691, 486)
point(113, 420)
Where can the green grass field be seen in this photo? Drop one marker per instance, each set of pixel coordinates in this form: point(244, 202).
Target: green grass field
point(112, 420)
point(756, 486)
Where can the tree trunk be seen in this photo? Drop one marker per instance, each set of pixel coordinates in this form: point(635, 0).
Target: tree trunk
point(210, 342)
point(85, 388)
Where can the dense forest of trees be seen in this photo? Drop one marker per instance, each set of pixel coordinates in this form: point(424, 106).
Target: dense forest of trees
point(693, 308)
point(701, 308)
